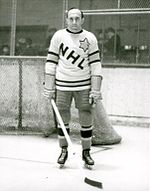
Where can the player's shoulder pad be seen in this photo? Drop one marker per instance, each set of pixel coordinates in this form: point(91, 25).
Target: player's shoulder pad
point(90, 35)
point(58, 34)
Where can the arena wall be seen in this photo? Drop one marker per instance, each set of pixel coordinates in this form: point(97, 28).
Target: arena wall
point(126, 91)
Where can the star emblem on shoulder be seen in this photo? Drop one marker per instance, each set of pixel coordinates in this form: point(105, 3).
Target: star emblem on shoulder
point(84, 44)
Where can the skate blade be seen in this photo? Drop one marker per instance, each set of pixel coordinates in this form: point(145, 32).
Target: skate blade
point(90, 167)
point(60, 166)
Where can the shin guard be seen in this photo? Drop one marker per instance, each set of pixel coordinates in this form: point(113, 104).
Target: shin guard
point(61, 136)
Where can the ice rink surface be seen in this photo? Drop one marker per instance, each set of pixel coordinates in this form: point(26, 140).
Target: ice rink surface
point(28, 163)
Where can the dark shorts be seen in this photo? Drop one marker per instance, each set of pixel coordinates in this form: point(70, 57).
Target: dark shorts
point(65, 98)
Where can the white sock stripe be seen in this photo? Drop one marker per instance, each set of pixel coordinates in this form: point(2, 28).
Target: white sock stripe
point(61, 137)
point(86, 139)
point(67, 126)
point(86, 129)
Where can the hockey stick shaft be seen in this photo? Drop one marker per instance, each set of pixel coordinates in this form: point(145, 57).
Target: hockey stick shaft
point(60, 121)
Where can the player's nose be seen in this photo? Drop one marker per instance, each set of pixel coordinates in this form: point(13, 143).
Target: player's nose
point(74, 21)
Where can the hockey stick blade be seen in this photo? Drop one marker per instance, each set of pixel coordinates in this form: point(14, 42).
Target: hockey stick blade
point(93, 183)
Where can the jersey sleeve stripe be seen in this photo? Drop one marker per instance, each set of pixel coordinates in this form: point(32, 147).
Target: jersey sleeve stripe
point(94, 61)
point(96, 52)
point(49, 74)
point(52, 61)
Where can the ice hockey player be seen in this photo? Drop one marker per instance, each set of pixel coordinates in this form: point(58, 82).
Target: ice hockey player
point(73, 71)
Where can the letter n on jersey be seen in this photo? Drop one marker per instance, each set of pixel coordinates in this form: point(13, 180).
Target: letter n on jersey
point(75, 58)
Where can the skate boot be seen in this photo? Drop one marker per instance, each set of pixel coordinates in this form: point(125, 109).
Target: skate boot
point(89, 162)
point(63, 157)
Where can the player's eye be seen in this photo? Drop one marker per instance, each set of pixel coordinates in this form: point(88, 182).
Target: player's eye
point(77, 19)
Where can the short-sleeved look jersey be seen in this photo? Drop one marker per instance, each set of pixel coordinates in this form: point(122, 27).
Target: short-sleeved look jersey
point(74, 58)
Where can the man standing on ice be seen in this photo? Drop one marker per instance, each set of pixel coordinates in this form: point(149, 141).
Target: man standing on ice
point(73, 71)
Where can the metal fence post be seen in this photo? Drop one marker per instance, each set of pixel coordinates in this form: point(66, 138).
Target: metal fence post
point(13, 28)
point(20, 96)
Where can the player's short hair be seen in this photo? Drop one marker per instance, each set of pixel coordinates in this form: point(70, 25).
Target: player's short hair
point(82, 15)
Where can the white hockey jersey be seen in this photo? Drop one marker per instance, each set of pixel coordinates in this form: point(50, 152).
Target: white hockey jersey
point(73, 58)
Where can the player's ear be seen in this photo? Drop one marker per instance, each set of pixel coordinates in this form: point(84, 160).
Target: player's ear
point(66, 20)
point(82, 21)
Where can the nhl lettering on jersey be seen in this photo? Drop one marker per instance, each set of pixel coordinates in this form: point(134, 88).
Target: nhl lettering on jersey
point(71, 54)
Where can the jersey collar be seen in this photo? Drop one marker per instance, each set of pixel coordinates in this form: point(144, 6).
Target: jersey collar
point(74, 32)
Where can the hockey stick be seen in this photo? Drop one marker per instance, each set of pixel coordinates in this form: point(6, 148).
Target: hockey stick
point(60, 121)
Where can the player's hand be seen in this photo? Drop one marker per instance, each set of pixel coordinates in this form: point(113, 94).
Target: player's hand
point(94, 96)
point(50, 94)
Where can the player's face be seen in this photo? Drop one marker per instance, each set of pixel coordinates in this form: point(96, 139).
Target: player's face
point(74, 20)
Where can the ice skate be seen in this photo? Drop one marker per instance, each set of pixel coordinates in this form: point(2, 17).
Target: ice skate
point(88, 161)
point(63, 157)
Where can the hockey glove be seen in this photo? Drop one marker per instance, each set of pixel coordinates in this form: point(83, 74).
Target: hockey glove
point(94, 96)
point(95, 93)
point(49, 86)
point(49, 93)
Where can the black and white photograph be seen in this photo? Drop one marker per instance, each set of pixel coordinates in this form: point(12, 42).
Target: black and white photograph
point(74, 95)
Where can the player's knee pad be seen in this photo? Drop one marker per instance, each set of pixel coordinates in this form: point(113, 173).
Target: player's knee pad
point(85, 117)
point(66, 115)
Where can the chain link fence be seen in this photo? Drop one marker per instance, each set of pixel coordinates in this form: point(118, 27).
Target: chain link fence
point(110, 4)
point(36, 21)
point(23, 107)
point(9, 88)
point(122, 29)
point(125, 40)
